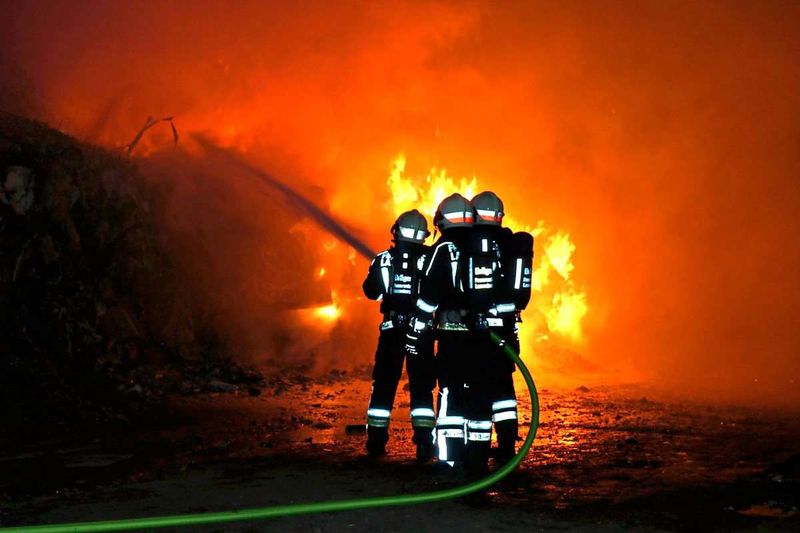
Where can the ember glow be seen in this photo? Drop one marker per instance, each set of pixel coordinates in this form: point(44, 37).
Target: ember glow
point(329, 312)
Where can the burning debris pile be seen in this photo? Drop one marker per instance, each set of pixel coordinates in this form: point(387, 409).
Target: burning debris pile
point(94, 316)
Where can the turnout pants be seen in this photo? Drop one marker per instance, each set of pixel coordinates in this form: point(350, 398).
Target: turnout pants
point(450, 436)
point(489, 398)
point(389, 358)
point(504, 400)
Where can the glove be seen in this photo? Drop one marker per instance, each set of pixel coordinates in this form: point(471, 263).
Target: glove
point(479, 322)
point(507, 311)
point(416, 328)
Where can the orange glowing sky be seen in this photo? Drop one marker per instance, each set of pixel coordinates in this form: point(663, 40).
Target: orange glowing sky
point(661, 136)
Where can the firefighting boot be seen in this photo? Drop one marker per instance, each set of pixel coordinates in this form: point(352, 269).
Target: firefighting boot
point(423, 438)
point(506, 440)
point(377, 437)
point(476, 460)
point(424, 452)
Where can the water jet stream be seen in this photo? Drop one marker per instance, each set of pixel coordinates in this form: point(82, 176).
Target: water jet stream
point(320, 216)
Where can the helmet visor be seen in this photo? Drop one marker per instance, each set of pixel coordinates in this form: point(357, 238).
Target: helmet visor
point(412, 234)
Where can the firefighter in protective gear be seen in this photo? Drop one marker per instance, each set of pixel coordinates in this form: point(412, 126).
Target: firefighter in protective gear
point(512, 276)
point(441, 303)
point(393, 280)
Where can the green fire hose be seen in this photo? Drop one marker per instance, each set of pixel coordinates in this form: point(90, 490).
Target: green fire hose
point(262, 513)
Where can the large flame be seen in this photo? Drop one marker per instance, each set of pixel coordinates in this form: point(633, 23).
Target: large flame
point(557, 300)
point(424, 194)
point(556, 296)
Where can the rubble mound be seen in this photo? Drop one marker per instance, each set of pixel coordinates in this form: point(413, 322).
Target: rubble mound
point(95, 320)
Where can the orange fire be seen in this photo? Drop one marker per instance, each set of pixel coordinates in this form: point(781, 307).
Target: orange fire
point(558, 304)
point(321, 317)
point(330, 312)
point(556, 296)
point(424, 194)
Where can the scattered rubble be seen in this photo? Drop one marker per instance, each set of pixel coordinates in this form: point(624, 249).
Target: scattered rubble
point(95, 321)
point(220, 386)
point(17, 189)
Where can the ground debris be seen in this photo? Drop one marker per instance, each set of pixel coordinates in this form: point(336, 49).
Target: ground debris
point(17, 189)
point(221, 386)
point(95, 322)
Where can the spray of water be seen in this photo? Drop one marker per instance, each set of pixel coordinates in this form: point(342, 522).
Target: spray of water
point(319, 215)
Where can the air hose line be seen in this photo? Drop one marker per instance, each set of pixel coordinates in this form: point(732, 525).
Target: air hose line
point(262, 513)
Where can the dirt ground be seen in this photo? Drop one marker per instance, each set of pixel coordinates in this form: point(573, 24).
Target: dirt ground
point(604, 460)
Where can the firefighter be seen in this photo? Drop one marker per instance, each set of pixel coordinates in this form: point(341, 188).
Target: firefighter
point(513, 256)
point(469, 283)
point(441, 299)
point(393, 279)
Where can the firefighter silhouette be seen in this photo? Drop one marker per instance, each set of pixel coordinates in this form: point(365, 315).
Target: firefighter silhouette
point(440, 293)
point(477, 279)
point(392, 279)
point(498, 285)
